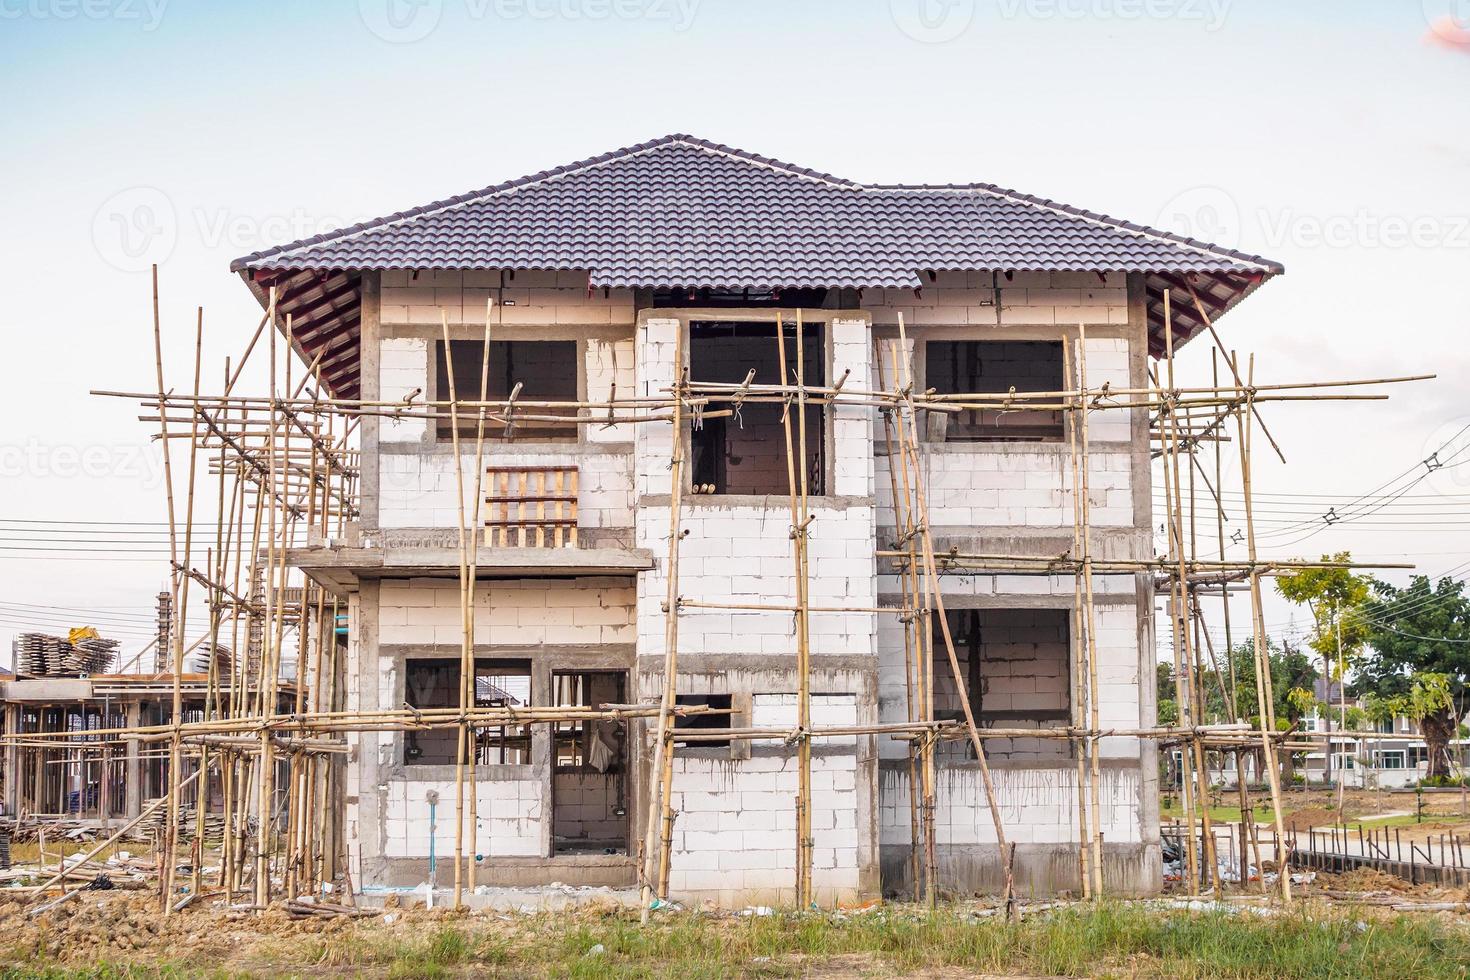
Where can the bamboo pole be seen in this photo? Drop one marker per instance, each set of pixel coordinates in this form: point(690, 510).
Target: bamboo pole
point(474, 567)
point(796, 476)
point(1264, 693)
point(936, 598)
point(1079, 625)
point(466, 612)
point(661, 772)
point(1089, 617)
point(910, 620)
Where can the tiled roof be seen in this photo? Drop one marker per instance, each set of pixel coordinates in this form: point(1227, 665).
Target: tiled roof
point(681, 212)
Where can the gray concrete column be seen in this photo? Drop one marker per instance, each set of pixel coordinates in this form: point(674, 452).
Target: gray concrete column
point(133, 785)
point(12, 761)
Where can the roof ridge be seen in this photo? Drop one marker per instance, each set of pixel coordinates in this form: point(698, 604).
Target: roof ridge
point(517, 183)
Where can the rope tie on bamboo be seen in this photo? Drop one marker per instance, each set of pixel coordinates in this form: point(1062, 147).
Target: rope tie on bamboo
point(510, 409)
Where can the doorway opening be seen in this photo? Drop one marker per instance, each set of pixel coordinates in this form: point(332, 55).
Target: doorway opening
point(589, 785)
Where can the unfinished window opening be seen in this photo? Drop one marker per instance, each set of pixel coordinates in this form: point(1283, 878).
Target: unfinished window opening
point(994, 367)
point(745, 453)
point(703, 722)
point(589, 787)
point(546, 370)
point(434, 683)
point(1015, 664)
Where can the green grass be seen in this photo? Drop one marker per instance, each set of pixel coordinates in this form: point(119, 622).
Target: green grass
point(1224, 814)
point(1107, 940)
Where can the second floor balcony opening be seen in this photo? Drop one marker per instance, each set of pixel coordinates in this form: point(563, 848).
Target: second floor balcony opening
point(745, 453)
point(994, 367)
point(546, 370)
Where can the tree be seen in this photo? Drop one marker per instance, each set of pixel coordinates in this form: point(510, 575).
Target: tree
point(1168, 708)
point(1335, 598)
point(1292, 676)
point(1420, 635)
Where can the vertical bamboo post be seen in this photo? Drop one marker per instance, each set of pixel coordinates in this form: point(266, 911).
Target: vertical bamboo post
point(473, 544)
point(909, 619)
point(1264, 694)
point(466, 656)
point(1079, 626)
point(1177, 579)
point(935, 600)
point(661, 772)
point(923, 625)
point(797, 485)
point(1093, 687)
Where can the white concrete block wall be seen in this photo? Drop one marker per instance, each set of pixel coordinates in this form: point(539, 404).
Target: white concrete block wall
point(610, 371)
point(742, 554)
point(1011, 487)
point(1037, 806)
point(1107, 363)
point(403, 369)
point(1027, 299)
point(421, 490)
point(852, 425)
point(736, 831)
point(1116, 636)
point(509, 819)
point(657, 343)
point(513, 612)
point(529, 297)
point(828, 710)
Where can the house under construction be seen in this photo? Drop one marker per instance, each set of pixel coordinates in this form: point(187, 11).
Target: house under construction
point(623, 276)
point(710, 524)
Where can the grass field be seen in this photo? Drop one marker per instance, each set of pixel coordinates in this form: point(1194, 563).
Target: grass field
point(1109, 940)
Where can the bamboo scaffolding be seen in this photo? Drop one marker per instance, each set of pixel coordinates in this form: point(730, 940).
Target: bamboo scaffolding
point(287, 474)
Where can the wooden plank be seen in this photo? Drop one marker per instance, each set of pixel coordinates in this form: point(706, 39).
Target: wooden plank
point(573, 532)
point(541, 510)
point(558, 479)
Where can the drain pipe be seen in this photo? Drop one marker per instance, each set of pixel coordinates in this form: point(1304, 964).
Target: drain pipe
point(432, 796)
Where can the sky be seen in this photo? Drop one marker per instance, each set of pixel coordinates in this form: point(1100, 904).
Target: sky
point(1330, 136)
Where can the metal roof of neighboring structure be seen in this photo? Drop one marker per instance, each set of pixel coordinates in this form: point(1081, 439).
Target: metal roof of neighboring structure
point(681, 212)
